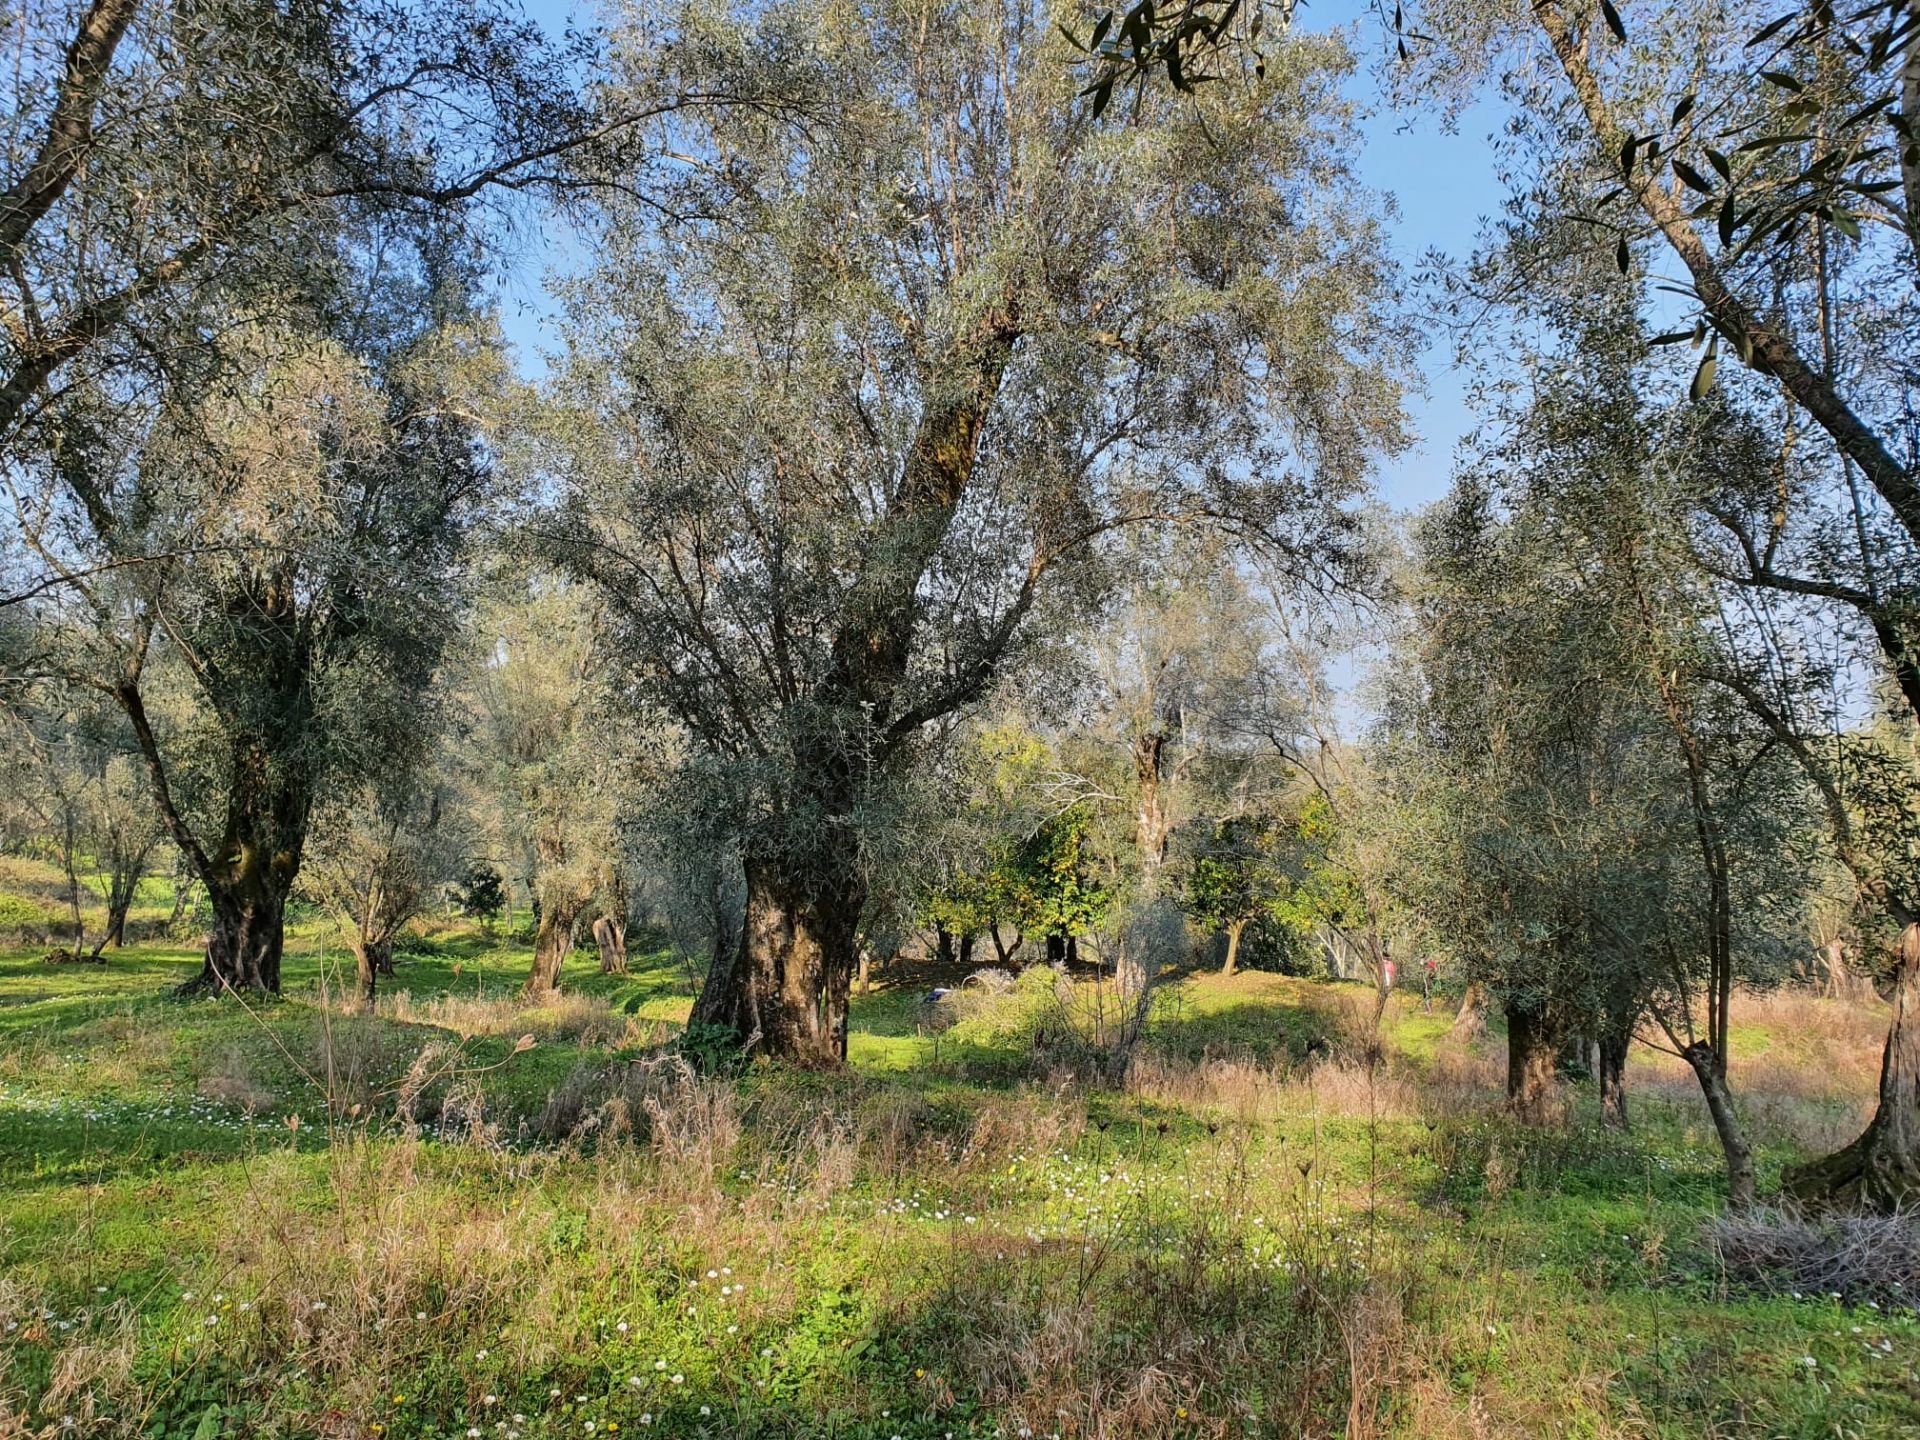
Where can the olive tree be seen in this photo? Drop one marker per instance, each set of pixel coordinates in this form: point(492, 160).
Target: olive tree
point(1762, 163)
point(236, 251)
point(380, 855)
point(549, 758)
point(325, 493)
point(833, 457)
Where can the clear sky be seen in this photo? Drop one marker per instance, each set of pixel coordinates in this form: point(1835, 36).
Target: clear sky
point(1443, 185)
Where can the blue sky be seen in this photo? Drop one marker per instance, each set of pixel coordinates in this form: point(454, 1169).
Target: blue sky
point(1444, 185)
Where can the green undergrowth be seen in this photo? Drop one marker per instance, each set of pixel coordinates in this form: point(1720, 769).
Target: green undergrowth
point(283, 1219)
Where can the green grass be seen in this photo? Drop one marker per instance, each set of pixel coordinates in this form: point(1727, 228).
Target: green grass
point(286, 1220)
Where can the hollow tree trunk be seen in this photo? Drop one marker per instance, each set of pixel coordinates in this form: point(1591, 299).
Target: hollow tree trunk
point(1880, 1170)
point(1710, 1070)
point(1533, 1045)
point(1234, 932)
point(785, 990)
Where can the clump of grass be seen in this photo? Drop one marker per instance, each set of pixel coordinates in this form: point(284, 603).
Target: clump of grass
point(1858, 1258)
point(568, 1017)
point(689, 1119)
point(230, 1079)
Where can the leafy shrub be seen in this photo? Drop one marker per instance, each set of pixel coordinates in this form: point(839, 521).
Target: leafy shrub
point(482, 894)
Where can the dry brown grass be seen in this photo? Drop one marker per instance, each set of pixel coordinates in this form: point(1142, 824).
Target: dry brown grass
point(1243, 1089)
point(568, 1017)
point(1804, 1067)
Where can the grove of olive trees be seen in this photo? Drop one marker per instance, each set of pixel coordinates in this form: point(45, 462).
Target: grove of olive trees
point(904, 719)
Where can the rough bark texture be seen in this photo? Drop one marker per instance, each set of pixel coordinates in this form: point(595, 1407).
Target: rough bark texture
point(1710, 1070)
point(784, 990)
point(251, 873)
point(243, 947)
point(551, 941)
point(371, 960)
point(1881, 1169)
point(610, 936)
point(1612, 1074)
point(1533, 1047)
point(1470, 1023)
point(1153, 820)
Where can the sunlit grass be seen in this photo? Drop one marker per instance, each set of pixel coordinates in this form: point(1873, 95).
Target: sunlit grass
point(295, 1219)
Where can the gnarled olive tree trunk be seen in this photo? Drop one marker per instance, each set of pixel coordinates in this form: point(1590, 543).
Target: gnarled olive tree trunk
point(250, 873)
point(249, 877)
point(784, 990)
point(610, 936)
point(1881, 1169)
point(1533, 1050)
point(1612, 1075)
point(552, 940)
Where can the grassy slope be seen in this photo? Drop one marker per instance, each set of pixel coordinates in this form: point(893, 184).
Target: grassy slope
point(957, 1237)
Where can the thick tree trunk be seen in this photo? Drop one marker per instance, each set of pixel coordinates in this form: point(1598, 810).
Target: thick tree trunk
point(1153, 822)
point(1470, 1022)
point(1612, 1074)
point(1711, 1071)
point(943, 945)
point(250, 876)
point(1880, 1170)
point(611, 936)
point(244, 945)
point(116, 935)
point(967, 942)
point(551, 942)
point(371, 960)
point(1533, 1046)
point(1234, 932)
point(785, 991)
